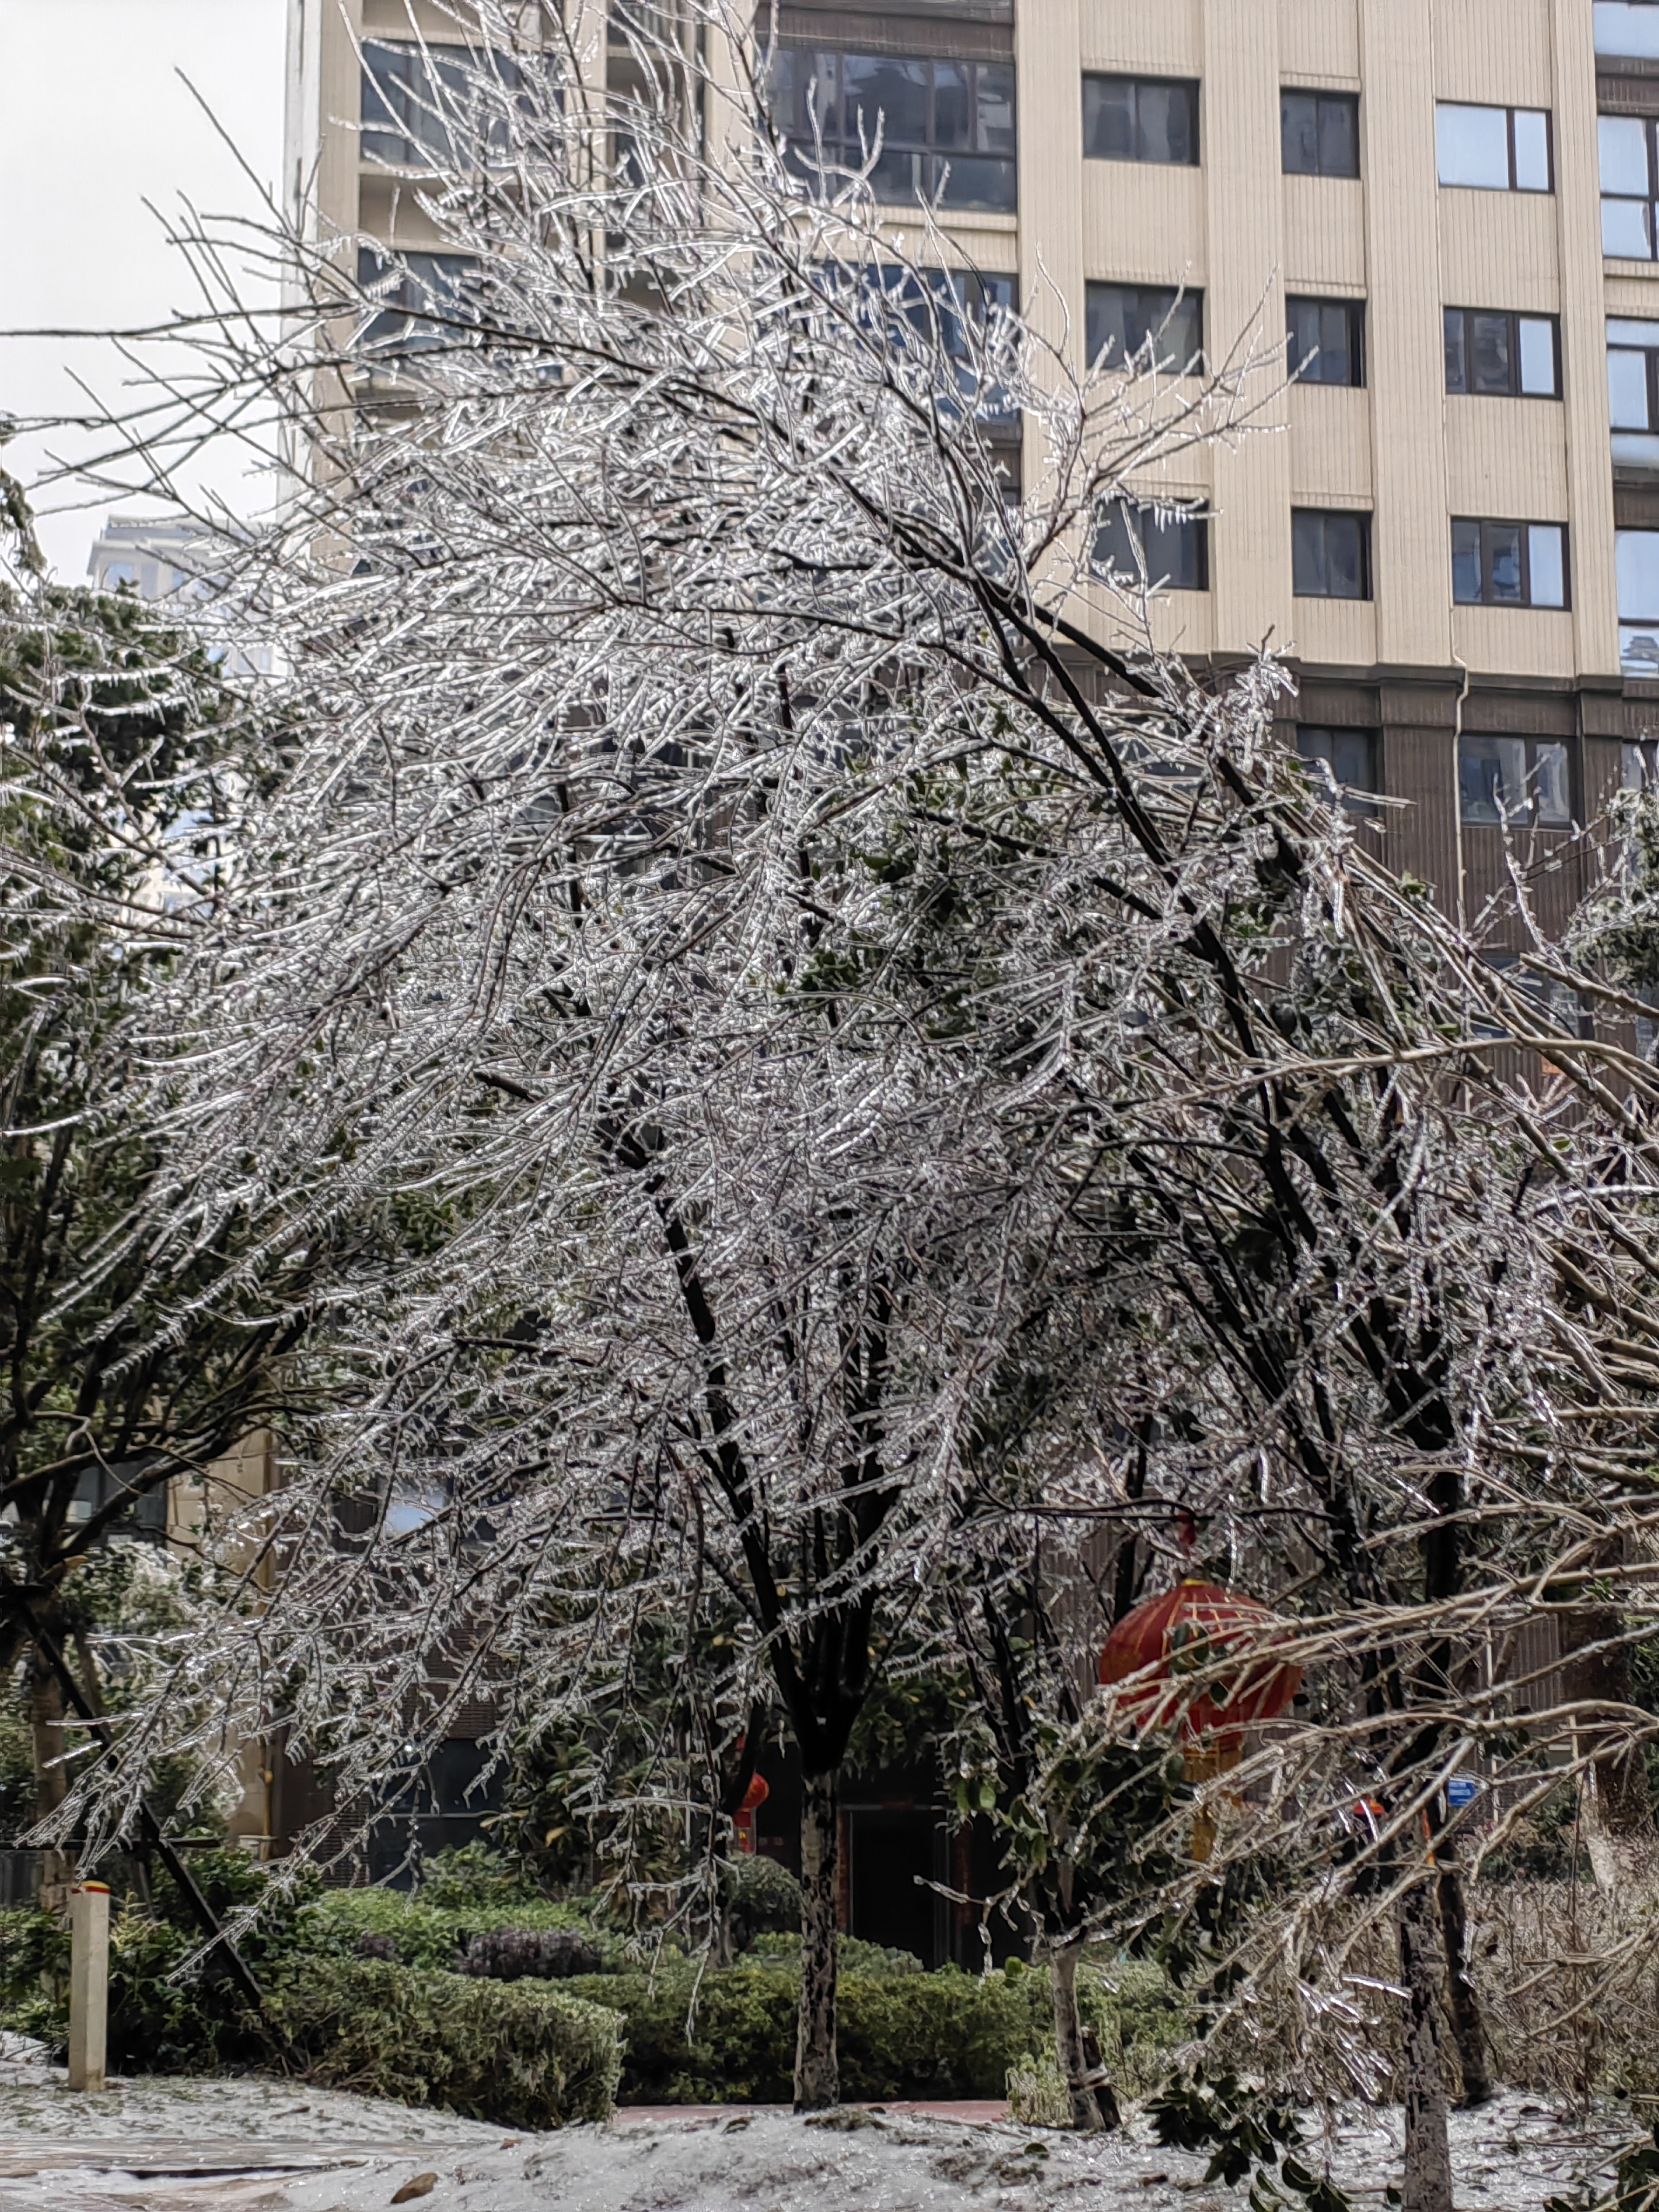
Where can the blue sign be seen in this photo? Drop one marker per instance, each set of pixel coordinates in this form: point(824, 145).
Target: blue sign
point(1462, 1790)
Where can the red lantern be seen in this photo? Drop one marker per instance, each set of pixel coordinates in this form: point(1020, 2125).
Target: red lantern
point(744, 1820)
point(1195, 1629)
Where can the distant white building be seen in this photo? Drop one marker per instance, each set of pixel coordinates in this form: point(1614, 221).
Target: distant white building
point(164, 560)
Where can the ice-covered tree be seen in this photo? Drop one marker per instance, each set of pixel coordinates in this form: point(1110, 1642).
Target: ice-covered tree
point(861, 1062)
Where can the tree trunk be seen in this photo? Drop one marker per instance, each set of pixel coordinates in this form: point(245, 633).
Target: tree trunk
point(1428, 2148)
point(1615, 1803)
point(46, 1710)
point(1093, 2105)
point(817, 2081)
point(1463, 1999)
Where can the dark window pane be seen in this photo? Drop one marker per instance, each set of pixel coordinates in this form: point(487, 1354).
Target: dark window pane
point(1465, 563)
point(1299, 132)
point(1491, 366)
point(1353, 758)
point(1457, 368)
point(953, 116)
point(1339, 138)
point(1491, 778)
point(1138, 319)
point(1551, 792)
point(890, 94)
point(1165, 124)
point(1308, 555)
point(1345, 557)
point(1182, 337)
point(1336, 360)
point(1350, 757)
point(411, 290)
point(1503, 562)
point(1172, 550)
point(1109, 119)
point(1303, 318)
point(993, 103)
point(974, 182)
point(897, 176)
point(1329, 330)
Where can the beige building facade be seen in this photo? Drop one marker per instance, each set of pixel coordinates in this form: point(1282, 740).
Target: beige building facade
point(1447, 208)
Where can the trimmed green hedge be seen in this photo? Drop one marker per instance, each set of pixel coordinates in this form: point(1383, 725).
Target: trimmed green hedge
point(905, 2035)
point(432, 1935)
point(523, 2054)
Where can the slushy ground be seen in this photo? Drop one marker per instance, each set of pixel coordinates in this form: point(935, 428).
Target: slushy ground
point(172, 2143)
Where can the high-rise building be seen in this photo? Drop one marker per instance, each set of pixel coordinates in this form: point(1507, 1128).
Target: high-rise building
point(1451, 209)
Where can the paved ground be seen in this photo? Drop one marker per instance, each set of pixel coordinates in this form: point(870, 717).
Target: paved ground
point(166, 2144)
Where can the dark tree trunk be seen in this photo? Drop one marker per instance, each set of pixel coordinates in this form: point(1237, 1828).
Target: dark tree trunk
point(1462, 1999)
point(817, 2080)
point(46, 1711)
point(1618, 1807)
point(1093, 2105)
point(1428, 2148)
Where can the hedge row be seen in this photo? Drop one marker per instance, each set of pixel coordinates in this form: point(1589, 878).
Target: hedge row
point(519, 2053)
point(912, 2035)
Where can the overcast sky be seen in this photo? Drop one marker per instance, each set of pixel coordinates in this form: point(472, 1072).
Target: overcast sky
point(93, 121)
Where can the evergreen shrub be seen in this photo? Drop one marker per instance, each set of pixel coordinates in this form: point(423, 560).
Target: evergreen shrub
point(518, 2053)
point(946, 2034)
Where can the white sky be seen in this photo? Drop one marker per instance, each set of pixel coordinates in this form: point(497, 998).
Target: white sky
point(93, 121)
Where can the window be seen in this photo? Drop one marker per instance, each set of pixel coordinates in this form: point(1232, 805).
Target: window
point(946, 128)
point(1633, 392)
point(1330, 555)
point(1630, 186)
point(1509, 564)
point(1132, 118)
point(1490, 353)
point(1629, 27)
point(408, 110)
point(1522, 782)
point(1327, 340)
point(1496, 150)
point(949, 304)
point(1636, 560)
point(1174, 549)
point(410, 290)
point(1350, 757)
point(1319, 134)
point(1148, 325)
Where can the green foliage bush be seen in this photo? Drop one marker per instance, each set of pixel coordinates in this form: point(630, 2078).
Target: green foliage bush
point(432, 1936)
point(474, 1875)
point(760, 1898)
point(519, 2053)
point(905, 2034)
point(165, 2014)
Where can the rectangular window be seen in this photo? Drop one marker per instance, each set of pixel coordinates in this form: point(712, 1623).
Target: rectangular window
point(1630, 186)
point(1496, 149)
point(1633, 392)
point(1520, 782)
point(423, 300)
point(1509, 564)
point(1327, 340)
point(1319, 134)
point(949, 308)
point(1490, 353)
point(1135, 540)
point(411, 101)
point(1636, 560)
point(1349, 757)
point(946, 128)
point(1137, 119)
point(1330, 555)
point(1143, 325)
point(1629, 27)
